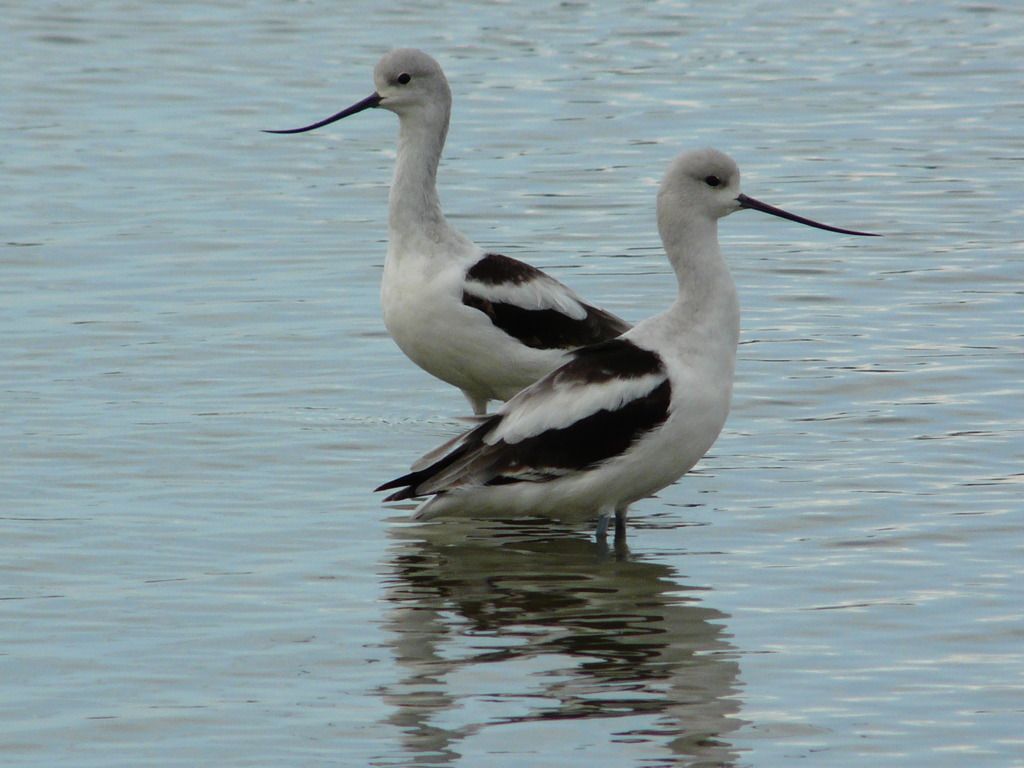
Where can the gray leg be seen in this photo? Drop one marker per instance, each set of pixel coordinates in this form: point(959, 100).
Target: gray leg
point(479, 405)
point(602, 525)
point(620, 523)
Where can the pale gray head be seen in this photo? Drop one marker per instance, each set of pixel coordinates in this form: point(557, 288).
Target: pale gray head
point(703, 185)
point(408, 81)
point(700, 184)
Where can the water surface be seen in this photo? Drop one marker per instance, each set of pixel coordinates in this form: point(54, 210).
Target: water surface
point(198, 394)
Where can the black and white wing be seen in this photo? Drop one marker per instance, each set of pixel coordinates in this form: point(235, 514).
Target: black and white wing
point(590, 410)
point(533, 307)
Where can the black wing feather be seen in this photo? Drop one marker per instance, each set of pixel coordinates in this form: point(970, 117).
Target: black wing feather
point(579, 446)
point(586, 443)
point(537, 328)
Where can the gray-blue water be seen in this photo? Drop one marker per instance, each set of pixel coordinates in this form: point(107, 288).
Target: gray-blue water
point(198, 394)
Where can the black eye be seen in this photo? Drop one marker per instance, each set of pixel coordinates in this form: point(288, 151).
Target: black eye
point(404, 78)
point(712, 181)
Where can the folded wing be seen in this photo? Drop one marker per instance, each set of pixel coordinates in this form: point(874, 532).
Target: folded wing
point(590, 410)
point(533, 307)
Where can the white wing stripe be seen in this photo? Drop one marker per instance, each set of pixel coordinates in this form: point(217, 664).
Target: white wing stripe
point(538, 293)
point(563, 405)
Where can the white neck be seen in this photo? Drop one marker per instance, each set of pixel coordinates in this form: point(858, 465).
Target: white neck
point(705, 317)
point(415, 219)
point(706, 287)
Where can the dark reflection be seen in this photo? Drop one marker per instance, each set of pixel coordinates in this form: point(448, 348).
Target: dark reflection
point(580, 630)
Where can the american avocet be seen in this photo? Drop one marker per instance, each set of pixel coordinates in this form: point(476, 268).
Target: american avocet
point(624, 418)
point(486, 323)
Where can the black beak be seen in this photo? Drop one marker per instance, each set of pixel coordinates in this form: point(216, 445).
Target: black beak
point(757, 205)
point(367, 103)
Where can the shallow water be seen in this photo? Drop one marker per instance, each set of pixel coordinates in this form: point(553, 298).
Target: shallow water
point(198, 394)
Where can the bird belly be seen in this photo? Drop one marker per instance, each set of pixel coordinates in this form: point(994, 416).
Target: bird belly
point(457, 343)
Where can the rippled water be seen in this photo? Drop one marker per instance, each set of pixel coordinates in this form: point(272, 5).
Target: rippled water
point(198, 393)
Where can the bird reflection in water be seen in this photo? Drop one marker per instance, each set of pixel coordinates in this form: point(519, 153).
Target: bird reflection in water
point(520, 640)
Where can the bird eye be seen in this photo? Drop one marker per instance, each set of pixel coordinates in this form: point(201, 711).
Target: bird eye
point(712, 181)
point(404, 78)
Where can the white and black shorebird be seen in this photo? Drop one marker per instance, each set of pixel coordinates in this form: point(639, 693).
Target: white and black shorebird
point(626, 417)
point(486, 323)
